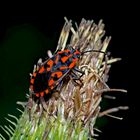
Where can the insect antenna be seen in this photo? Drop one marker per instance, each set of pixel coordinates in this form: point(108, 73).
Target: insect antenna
point(93, 51)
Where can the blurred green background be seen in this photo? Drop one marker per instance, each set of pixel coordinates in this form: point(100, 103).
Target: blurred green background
point(25, 39)
point(21, 46)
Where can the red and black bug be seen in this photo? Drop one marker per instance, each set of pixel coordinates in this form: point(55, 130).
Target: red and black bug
point(50, 75)
point(51, 72)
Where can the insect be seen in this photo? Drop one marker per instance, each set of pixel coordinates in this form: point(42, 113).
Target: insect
point(51, 73)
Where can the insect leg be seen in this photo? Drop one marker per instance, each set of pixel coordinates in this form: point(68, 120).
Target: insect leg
point(77, 70)
point(30, 105)
point(58, 89)
point(59, 86)
point(75, 77)
point(43, 103)
point(41, 113)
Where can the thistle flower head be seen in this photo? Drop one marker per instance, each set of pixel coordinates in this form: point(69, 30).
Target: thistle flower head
point(72, 113)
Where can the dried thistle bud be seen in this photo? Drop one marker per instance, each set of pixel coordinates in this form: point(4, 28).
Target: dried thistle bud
point(72, 114)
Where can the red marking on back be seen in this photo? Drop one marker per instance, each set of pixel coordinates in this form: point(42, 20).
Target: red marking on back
point(66, 51)
point(37, 94)
point(63, 67)
point(50, 63)
point(77, 52)
point(51, 81)
point(75, 59)
point(42, 94)
point(65, 58)
point(58, 74)
point(46, 91)
point(72, 64)
point(32, 81)
point(41, 70)
point(56, 60)
point(34, 74)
